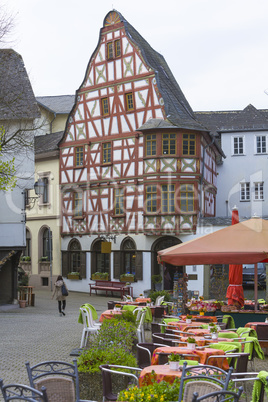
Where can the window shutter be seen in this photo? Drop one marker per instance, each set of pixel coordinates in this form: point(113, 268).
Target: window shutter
point(65, 268)
point(83, 271)
point(93, 262)
point(116, 264)
point(139, 266)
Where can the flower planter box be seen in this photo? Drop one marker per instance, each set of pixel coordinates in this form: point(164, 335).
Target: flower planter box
point(73, 277)
point(127, 278)
point(99, 278)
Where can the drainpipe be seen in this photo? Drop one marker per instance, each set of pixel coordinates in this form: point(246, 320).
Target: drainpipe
point(202, 177)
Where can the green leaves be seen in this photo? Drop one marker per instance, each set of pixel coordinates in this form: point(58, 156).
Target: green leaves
point(7, 168)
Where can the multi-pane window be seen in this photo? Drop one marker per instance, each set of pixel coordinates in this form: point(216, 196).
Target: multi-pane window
point(47, 244)
point(245, 191)
point(188, 144)
point(187, 198)
point(75, 255)
point(169, 144)
point(150, 145)
point(78, 204)
point(129, 101)
point(151, 198)
point(119, 201)
point(45, 196)
point(105, 106)
point(258, 191)
point(79, 156)
point(117, 48)
point(106, 152)
point(238, 145)
point(113, 49)
point(110, 53)
point(261, 144)
point(129, 256)
point(168, 198)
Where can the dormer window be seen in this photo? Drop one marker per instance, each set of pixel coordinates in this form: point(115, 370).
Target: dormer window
point(113, 49)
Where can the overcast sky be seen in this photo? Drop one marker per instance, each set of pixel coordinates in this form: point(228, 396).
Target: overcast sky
point(216, 49)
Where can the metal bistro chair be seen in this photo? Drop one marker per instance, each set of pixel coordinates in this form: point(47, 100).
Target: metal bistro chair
point(218, 396)
point(107, 372)
point(140, 328)
point(60, 379)
point(145, 351)
point(22, 392)
point(204, 372)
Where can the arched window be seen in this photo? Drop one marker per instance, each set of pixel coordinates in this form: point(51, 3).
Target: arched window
point(75, 256)
point(100, 262)
point(28, 249)
point(129, 256)
point(47, 243)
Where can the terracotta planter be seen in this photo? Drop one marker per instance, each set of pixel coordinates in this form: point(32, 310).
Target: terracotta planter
point(22, 303)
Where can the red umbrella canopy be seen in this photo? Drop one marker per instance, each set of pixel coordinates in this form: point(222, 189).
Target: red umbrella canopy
point(235, 292)
point(243, 243)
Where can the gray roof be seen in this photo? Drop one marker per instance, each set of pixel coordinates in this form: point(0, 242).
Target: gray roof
point(247, 119)
point(17, 100)
point(47, 143)
point(61, 104)
point(222, 221)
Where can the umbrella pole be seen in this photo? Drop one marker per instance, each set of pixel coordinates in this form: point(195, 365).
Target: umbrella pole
point(256, 285)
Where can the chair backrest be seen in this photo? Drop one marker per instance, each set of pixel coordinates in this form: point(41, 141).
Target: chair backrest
point(201, 387)
point(159, 300)
point(219, 396)
point(206, 372)
point(161, 338)
point(140, 328)
point(107, 372)
point(110, 304)
point(145, 351)
point(22, 392)
point(60, 379)
point(159, 311)
point(262, 331)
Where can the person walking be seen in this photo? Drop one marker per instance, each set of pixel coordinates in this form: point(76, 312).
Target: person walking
point(59, 296)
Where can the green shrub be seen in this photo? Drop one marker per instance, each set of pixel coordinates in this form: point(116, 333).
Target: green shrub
point(90, 360)
point(154, 294)
point(111, 345)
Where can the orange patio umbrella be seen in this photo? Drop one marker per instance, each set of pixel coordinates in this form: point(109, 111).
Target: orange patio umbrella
point(243, 243)
point(235, 292)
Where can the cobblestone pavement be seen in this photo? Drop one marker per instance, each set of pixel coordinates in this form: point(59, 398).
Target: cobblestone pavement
point(38, 333)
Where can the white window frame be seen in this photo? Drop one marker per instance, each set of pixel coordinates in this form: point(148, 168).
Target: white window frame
point(233, 144)
point(245, 187)
point(259, 191)
point(266, 144)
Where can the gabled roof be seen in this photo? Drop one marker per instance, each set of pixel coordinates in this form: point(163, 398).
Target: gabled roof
point(247, 119)
point(61, 104)
point(17, 100)
point(47, 143)
point(177, 108)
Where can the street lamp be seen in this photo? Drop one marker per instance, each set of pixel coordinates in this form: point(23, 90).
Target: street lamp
point(39, 189)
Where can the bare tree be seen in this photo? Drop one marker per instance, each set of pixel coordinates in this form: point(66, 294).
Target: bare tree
point(7, 22)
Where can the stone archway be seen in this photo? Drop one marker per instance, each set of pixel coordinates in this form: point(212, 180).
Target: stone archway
point(160, 244)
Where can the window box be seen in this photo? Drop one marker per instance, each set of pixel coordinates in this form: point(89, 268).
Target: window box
point(104, 276)
point(73, 276)
point(127, 278)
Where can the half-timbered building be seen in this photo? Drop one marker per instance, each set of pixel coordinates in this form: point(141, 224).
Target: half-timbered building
point(136, 166)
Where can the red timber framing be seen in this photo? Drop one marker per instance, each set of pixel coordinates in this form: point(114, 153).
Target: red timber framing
point(119, 95)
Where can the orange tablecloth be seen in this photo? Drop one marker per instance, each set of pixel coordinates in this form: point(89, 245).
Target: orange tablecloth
point(201, 341)
point(109, 314)
point(204, 354)
point(143, 299)
point(211, 317)
point(161, 373)
point(181, 325)
point(253, 325)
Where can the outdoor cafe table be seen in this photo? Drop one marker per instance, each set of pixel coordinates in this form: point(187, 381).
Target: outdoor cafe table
point(109, 314)
point(203, 354)
point(143, 300)
point(158, 373)
point(201, 341)
point(212, 318)
point(181, 325)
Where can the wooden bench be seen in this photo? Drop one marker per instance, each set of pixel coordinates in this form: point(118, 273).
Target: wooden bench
point(111, 286)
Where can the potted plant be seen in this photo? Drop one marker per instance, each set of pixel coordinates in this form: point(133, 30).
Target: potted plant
point(202, 310)
point(189, 319)
point(157, 281)
point(104, 276)
point(174, 359)
point(117, 307)
point(127, 278)
point(214, 332)
point(191, 343)
point(73, 275)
